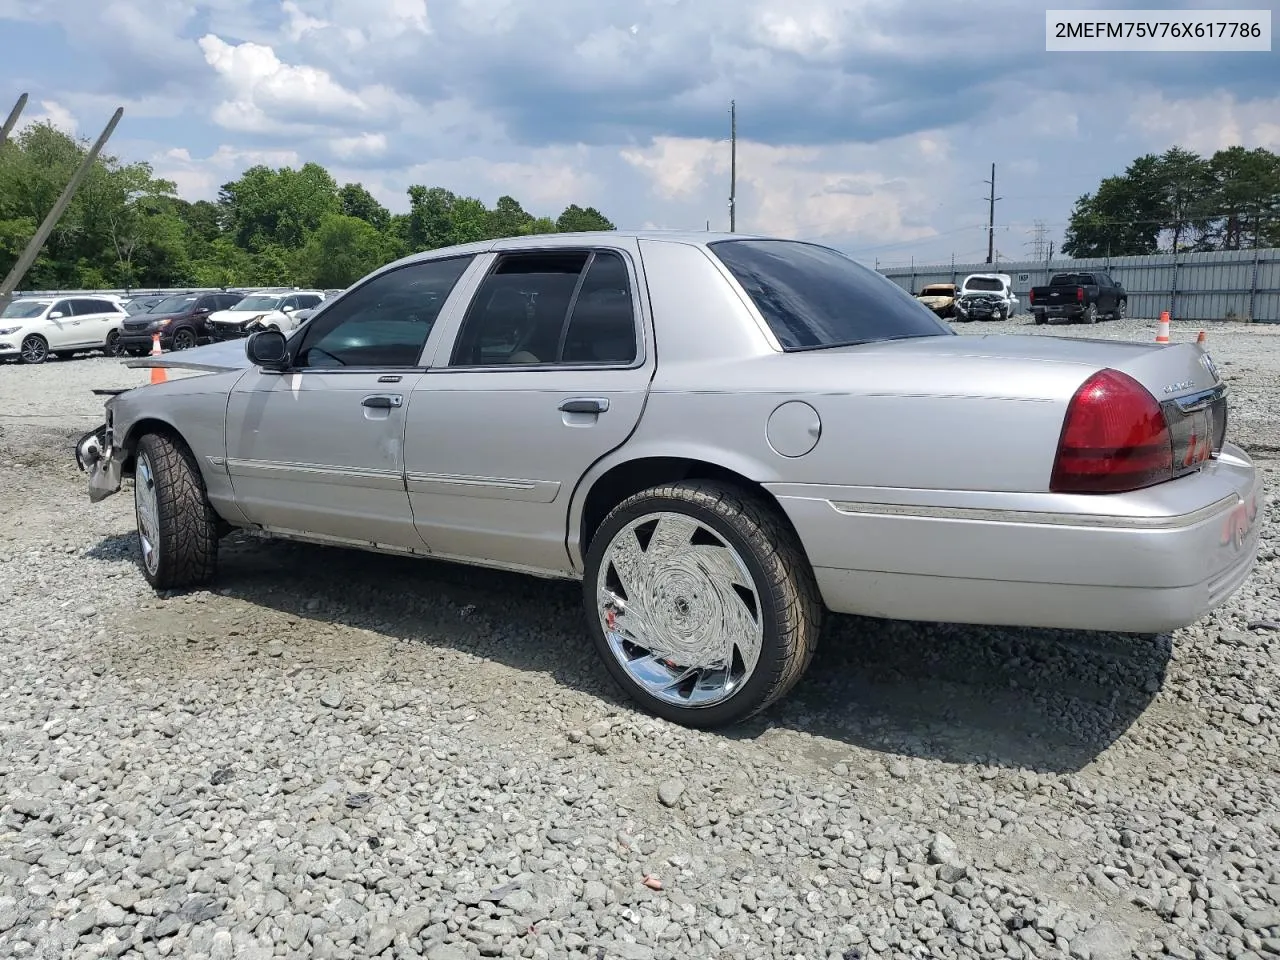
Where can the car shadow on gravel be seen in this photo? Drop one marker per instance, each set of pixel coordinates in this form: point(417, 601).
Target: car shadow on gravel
point(1045, 700)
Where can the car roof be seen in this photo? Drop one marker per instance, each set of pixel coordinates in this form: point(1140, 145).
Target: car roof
point(544, 241)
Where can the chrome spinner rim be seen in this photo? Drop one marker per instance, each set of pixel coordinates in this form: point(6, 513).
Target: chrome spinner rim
point(680, 610)
point(147, 506)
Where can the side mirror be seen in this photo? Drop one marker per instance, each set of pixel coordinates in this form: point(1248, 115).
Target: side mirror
point(288, 309)
point(268, 349)
point(56, 315)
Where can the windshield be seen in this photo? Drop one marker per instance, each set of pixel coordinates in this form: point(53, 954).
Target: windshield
point(173, 305)
point(258, 303)
point(813, 297)
point(140, 306)
point(937, 291)
point(983, 283)
point(24, 309)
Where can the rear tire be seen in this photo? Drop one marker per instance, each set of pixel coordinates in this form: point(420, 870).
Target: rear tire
point(1090, 314)
point(112, 345)
point(701, 602)
point(177, 526)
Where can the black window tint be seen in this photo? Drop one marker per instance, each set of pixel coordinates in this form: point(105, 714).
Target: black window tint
point(812, 296)
point(63, 307)
point(519, 312)
point(385, 322)
point(308, 300)
point(602, 326)
point(79, 308)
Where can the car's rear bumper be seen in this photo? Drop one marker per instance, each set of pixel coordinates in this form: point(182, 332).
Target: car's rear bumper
point(1143, 562)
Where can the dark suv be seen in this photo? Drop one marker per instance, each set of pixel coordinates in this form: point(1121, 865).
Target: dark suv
point(180, 321)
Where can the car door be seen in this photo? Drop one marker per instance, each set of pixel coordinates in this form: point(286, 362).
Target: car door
point(318, 449)
point(548, 372)
point(101, 317)
point(62, 326)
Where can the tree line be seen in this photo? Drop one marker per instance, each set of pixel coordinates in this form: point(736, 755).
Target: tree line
point(1179, 201)
point(287, 227)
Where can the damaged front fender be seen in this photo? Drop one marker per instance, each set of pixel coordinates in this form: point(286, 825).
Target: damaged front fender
point(95, 456)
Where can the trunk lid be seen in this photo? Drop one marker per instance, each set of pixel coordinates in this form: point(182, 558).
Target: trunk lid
point(1181, 376)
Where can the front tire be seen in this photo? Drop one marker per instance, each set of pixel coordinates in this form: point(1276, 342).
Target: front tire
point(184, 338)
point(701, 602)
point(34, 349)
point(1122, 309)
point(177, 526)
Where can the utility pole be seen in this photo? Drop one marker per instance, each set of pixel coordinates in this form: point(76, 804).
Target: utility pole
point(13, 119)
point(37, 242)
point(733, 166)
point(991, 214)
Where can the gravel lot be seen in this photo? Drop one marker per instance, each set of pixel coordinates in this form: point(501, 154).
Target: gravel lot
point(344, 755)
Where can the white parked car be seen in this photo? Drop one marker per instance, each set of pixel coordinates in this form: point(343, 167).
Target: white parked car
point(262, 311)
point(986, 296)
point(31, 329)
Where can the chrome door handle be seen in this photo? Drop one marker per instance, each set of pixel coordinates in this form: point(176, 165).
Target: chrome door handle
point(585, 405)
point(384, 401)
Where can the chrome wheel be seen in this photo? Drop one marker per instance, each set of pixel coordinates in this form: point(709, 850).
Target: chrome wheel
point(34, 349)
point(147, 507)
point(1122, 310)
point(680, 611)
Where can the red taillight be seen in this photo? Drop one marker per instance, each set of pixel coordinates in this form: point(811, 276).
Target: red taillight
point(1031, 296)
point(1114, 438)
point(1079, 294)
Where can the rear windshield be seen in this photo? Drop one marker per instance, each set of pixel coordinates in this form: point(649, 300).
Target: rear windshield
point(983, 283)
point(813, 297)
point(1071, 280)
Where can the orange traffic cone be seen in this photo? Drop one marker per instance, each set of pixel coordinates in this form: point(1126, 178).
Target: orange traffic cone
point(1202, 339)
point(1162, 334)
point(158, 374)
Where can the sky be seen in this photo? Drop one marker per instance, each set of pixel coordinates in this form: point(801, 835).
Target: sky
point(868, 125)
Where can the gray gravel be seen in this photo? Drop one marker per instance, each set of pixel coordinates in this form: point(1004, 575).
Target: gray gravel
point(343, 755)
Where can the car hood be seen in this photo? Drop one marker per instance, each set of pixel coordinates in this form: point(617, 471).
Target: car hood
point(211, 358)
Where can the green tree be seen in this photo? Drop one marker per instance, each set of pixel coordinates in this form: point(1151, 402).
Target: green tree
point(575, 219)
point(340, 252)
point(358, 202)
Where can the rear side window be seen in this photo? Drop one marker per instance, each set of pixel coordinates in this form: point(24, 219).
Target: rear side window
point(813, 297)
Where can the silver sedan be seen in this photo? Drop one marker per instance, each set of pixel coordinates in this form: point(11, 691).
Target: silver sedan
point(722, 437)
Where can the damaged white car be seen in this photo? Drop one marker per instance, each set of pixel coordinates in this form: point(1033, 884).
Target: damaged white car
point(986, 296)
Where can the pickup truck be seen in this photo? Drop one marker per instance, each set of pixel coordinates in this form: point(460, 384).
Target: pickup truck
point(1079, 296)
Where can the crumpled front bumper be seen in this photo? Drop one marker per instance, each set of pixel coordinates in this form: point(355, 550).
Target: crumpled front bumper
point(96, 457)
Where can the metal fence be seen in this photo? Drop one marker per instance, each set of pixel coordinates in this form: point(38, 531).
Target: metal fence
point(1200, 287)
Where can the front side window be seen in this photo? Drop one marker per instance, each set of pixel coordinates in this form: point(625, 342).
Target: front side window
point(385, 322)
point(551, 307)
point(813, 297)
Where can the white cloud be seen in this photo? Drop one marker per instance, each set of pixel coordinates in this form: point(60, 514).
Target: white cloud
point(51, 111)
point(268, 95)
point(1209, 123)
point(364, 146)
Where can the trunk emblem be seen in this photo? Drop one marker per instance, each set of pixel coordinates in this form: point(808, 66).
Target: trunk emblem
point(1180, 385)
